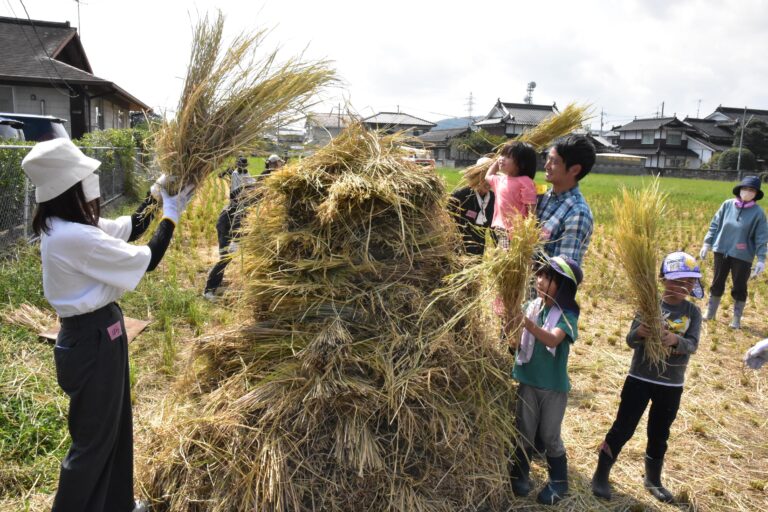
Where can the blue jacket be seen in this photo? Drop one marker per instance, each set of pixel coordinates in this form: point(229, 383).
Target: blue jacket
point(737, 232)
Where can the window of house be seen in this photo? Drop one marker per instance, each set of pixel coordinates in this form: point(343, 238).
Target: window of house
point(674, 138)
point(6, 99)
point(677, 161)
point(647, 137)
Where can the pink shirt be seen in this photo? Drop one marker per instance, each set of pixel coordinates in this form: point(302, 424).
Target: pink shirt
point(513, 194)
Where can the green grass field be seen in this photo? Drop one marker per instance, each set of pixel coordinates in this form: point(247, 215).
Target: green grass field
point(718, 458)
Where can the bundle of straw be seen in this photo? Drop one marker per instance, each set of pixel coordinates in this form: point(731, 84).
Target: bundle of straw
point(638, 216)
point(344, 392)
point(571, 118)
point(231, 98)
point(502, 274)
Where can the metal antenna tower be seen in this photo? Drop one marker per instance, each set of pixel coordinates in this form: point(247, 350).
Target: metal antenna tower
point(529, 92)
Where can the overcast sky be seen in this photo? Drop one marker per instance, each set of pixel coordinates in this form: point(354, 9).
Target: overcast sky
point(426, 57)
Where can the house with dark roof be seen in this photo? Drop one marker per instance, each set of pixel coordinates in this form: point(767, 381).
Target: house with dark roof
point(663, 141)
point(708, 137)
point(732, 116)
point(511, 119)
point(44, 70)
point(444, 152)
point(321, 127)
point(392, 122)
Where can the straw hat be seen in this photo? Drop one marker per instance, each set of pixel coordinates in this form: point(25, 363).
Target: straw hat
point(56, 165)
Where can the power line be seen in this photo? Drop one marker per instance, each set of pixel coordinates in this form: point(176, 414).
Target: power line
point(45, 50)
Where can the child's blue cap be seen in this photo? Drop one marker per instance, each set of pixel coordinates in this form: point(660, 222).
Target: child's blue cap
point(678, 265)
point(567, 267)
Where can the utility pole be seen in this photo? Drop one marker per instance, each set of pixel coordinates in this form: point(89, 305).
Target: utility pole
point(662, 109)
point(602, 113)
point(741, 142)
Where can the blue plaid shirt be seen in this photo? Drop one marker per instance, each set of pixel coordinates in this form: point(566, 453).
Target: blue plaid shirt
point(567, 228)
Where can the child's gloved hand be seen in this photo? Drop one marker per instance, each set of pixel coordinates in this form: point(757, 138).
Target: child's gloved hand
point(757, 356)
point(759, 268)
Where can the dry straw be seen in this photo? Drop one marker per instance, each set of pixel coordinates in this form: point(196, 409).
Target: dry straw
point(231, 98)
point(637, 230)
point(32, 317)
point(341, 393)
point(571, 118)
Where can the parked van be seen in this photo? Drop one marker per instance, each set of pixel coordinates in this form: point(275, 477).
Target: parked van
point(39, 128)
point(11, 129)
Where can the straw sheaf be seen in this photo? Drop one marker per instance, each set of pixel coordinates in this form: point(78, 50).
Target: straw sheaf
point(559, 125)
point(231, 97)
point(342, 393)
point(638, 216)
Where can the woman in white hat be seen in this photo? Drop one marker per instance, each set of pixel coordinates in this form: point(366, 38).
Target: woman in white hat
point(87, 265)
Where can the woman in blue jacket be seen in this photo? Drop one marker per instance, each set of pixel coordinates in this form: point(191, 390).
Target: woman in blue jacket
point(738, 232)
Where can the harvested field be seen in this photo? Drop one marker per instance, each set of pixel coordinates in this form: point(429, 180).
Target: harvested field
point(718, 457)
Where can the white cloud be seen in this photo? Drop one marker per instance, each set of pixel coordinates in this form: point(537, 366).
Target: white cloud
point(624, 57)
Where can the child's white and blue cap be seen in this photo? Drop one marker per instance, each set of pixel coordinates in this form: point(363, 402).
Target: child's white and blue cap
point(678, 265)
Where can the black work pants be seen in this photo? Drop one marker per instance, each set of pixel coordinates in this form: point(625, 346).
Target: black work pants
point(739, 270)
point(91, 355)
point(635, 395)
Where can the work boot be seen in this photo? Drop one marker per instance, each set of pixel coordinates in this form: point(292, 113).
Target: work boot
point(652, 480)
point(714, 303)
point(738, 310)
point(557, 487)
point(601, 487)
point(521, 467)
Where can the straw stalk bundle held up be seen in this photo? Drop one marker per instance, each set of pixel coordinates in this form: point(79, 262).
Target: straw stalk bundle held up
point(344, 392)
point(552, 128)
point(230, 99)
point(638, 216)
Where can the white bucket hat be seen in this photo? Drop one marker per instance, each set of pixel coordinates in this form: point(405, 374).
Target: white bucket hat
point(56, 165)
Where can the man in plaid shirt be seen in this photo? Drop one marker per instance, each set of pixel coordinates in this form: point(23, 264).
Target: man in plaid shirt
point(565, 216)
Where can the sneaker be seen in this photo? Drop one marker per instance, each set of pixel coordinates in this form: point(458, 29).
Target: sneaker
point(210, 296)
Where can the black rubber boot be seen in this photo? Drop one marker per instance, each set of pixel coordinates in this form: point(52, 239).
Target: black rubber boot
point(521, 467)
point(653, 480)
point(557, 487)
point(601, 487)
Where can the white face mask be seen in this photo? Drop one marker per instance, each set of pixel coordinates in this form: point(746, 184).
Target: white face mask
point(747, 195)
point(91, 188)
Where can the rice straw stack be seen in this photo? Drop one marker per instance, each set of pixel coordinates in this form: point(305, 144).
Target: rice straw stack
point(571, 118)
point(231, 98)
point(344, 391)
point(638, 215)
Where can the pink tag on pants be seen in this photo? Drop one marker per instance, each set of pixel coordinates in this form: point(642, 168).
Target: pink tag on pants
point(115, 330)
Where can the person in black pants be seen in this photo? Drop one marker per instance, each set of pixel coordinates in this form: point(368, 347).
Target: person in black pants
point(87, 266)
point(662, 384)
point(472, 207)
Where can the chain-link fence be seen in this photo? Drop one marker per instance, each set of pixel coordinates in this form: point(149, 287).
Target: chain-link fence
point(17, 194)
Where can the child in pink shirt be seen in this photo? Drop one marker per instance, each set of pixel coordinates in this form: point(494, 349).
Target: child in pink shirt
point(511, 180)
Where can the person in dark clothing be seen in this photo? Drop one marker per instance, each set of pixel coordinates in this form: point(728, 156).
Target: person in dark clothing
point(87, 265)
point(472, 207)
point(229, 222)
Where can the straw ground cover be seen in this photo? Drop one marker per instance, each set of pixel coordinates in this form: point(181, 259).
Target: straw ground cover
point(718, 450)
